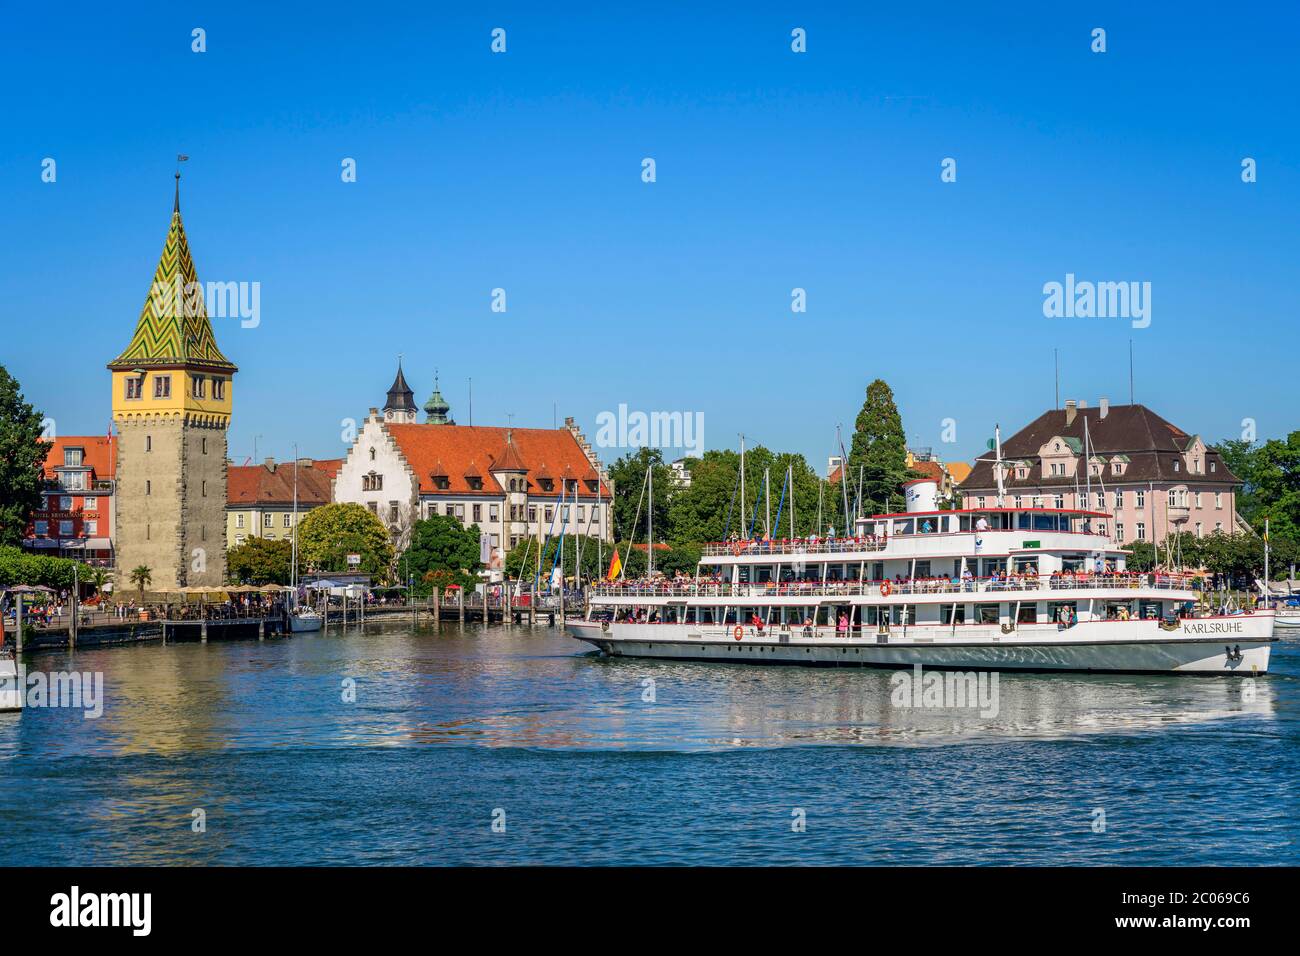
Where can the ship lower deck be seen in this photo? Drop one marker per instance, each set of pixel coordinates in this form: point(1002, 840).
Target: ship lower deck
point(1237, 646)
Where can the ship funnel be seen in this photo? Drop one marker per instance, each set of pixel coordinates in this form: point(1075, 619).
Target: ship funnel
point(921, 494)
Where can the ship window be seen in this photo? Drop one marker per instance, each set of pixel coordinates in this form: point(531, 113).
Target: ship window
point(1072, 562)
point(986, 613)
point(1028, 613)
point(946, 613)
point(1055, 609)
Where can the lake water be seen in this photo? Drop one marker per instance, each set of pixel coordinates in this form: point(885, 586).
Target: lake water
point(585, 759)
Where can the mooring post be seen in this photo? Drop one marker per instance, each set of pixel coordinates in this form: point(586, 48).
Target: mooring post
point(18, 641)
point(460, 604)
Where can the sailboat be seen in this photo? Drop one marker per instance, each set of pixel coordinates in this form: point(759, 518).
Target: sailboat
point(302, 618)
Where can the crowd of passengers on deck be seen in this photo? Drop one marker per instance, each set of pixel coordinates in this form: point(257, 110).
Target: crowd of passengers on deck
point(811, 581)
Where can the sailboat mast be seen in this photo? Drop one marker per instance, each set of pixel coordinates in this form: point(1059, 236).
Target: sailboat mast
point(650, 524)
point(997, 441)
point(767, 494)
point(743, 525)
point(293, 567)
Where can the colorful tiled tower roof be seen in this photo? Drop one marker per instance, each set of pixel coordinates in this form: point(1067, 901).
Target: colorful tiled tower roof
point(174, 327)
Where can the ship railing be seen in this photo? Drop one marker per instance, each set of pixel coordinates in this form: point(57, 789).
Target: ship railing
point(764, 546)
point(918, 586)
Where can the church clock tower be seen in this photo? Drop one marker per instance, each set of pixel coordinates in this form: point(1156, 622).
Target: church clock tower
point(171, 406)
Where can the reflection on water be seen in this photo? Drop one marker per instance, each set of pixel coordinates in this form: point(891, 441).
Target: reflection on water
point(663, 762)
point(500, 687)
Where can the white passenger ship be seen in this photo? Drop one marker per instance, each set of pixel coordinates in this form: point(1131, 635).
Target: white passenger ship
point(983, 588)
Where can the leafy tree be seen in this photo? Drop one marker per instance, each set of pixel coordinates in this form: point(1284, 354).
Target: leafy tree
point(628, 476)
point(22, 458)
point(710, 508)
point(879, 451)
point(141, 576)
point(442, 552)
point(21, 567)
point(329, 533)
point(261, 561)
point(1276, 486)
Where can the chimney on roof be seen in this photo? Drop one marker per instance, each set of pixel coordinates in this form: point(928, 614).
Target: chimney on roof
point(270, 464)
point(1103, 407)
point(1070, 406)
point(1083, 403)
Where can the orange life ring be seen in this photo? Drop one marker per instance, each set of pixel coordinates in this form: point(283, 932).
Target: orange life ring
point(738, 632)
point(885, 588)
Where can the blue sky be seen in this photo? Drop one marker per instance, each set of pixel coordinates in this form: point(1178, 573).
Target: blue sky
point(775, 170)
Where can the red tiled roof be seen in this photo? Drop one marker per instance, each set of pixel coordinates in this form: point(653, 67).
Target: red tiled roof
point(477, 449)
point(99, 454)
point(260, 486)
point(928, 469)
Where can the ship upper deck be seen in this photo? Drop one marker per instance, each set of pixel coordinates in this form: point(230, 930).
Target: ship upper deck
point(1064, 587)
point(960, 531)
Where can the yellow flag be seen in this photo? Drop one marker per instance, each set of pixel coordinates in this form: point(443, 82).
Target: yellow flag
point(615, 566)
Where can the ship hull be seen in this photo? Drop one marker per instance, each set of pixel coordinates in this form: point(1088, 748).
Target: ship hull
point(1235, 646)
point(11, 686)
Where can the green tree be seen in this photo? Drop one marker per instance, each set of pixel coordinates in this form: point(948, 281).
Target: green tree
point(878, 452)
point(22, 459)
point(709, 509)
point(261, 561)
point(141, 577)
point(628, 476)
point(329, 533)
point(20, 567)
point(442, 552)
point(1276, 486)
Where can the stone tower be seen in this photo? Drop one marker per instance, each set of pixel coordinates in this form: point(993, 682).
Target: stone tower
point(171, 406)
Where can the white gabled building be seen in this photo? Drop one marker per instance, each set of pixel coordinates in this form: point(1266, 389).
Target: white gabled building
point(511, 482)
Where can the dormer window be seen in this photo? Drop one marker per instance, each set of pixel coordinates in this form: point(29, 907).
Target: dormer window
point(1021, 472)
point(476, 483)
point(72, 457)
point(593, 485)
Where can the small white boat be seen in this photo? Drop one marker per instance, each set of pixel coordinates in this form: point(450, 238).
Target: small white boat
point(304, 618)
point(11, 684)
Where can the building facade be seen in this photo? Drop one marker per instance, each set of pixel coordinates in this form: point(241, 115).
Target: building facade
point(172, 401)
point(260, 498)
point(1151, 477)
point(75, 519)
point(514, 483)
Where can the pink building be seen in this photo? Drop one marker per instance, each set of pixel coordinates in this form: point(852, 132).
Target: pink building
point(1150, 476)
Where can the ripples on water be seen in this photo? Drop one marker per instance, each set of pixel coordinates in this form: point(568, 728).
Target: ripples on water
point(450, 724)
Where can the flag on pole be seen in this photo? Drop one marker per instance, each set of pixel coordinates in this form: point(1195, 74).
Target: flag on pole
point(615, 567)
